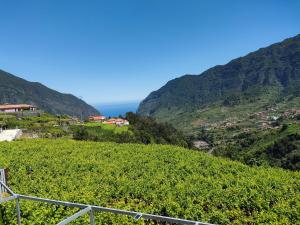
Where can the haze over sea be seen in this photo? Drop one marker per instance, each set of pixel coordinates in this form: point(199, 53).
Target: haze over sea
point(115, 109)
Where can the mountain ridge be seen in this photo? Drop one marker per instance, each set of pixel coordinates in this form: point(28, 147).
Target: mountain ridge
point(14, 89)
point(269, 73)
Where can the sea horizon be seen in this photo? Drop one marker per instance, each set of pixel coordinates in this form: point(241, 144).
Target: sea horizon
point(114, 109)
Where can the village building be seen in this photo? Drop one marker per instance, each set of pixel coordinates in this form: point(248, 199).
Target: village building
point(291, 113)
point(274, 118)
point(117, 121)
point(10, 108)
point(120, 121)
point(109, 121)
point(97, 118)
point(201, 144)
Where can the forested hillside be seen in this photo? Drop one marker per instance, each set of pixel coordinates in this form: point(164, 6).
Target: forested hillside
point(275, 147)
point(163, 180)
point(16, 90)
point(251, 83)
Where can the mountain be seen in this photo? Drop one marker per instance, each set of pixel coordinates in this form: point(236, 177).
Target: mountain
point(260, 79)
point(16, 90)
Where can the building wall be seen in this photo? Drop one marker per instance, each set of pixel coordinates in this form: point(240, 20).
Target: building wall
point(10, 110)
point(17, 110)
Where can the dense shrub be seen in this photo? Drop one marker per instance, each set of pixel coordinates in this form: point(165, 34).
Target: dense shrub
point(147, 131)
point(285, 152)
point(279, 151)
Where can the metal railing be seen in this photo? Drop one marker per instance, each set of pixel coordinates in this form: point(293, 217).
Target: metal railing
point(3, 180)
point(2, 176)
point(85, 209)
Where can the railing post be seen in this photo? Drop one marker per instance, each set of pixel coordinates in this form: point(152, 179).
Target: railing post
point(2, 178)
point(1, 193)
point(18, 211)
point(92, 217)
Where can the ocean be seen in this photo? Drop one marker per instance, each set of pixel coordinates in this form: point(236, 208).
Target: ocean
point(116, 109)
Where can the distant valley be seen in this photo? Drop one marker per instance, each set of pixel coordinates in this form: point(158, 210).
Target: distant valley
point(264, 78)
point(247, 110)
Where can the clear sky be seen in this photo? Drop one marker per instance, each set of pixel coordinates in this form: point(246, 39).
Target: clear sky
point(106, 51)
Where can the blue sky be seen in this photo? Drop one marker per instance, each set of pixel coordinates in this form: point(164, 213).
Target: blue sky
point(112, 51)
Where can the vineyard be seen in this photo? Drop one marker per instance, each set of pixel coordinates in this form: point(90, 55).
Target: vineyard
point(157, 179)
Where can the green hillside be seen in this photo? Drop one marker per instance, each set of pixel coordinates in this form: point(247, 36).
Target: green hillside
point(261, 79)
point(158, 179)
point(16, 90)
point(273, 147)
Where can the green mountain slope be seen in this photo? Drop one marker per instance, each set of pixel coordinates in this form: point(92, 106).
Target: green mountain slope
point(250, 83)
point(276, 147)
point(158, 179)
point(16, 90)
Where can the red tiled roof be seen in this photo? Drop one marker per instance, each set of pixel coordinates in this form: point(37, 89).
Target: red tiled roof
point(97, 117)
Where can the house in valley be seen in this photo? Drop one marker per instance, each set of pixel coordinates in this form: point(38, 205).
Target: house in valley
point(11, 108)
point(117, 121)
point(97, 118)
point(201, 144)
point(121, 122)
point(102, 119)
point(110, 121)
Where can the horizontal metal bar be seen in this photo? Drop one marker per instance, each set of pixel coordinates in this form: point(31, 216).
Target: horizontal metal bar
point(75, 216)
point(8, 199)
point(115, 211)
point(7, 188)
point(172, 220)
point(50, 201)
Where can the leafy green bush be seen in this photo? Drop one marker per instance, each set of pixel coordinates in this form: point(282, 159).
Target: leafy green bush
point(147, 131)
point(285, 152)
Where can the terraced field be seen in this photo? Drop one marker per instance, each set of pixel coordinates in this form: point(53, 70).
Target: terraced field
point(158, 179)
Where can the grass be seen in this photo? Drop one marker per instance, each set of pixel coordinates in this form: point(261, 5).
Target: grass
point(113, 127)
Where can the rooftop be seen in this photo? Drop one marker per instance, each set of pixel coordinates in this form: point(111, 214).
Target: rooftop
point(16, 106)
